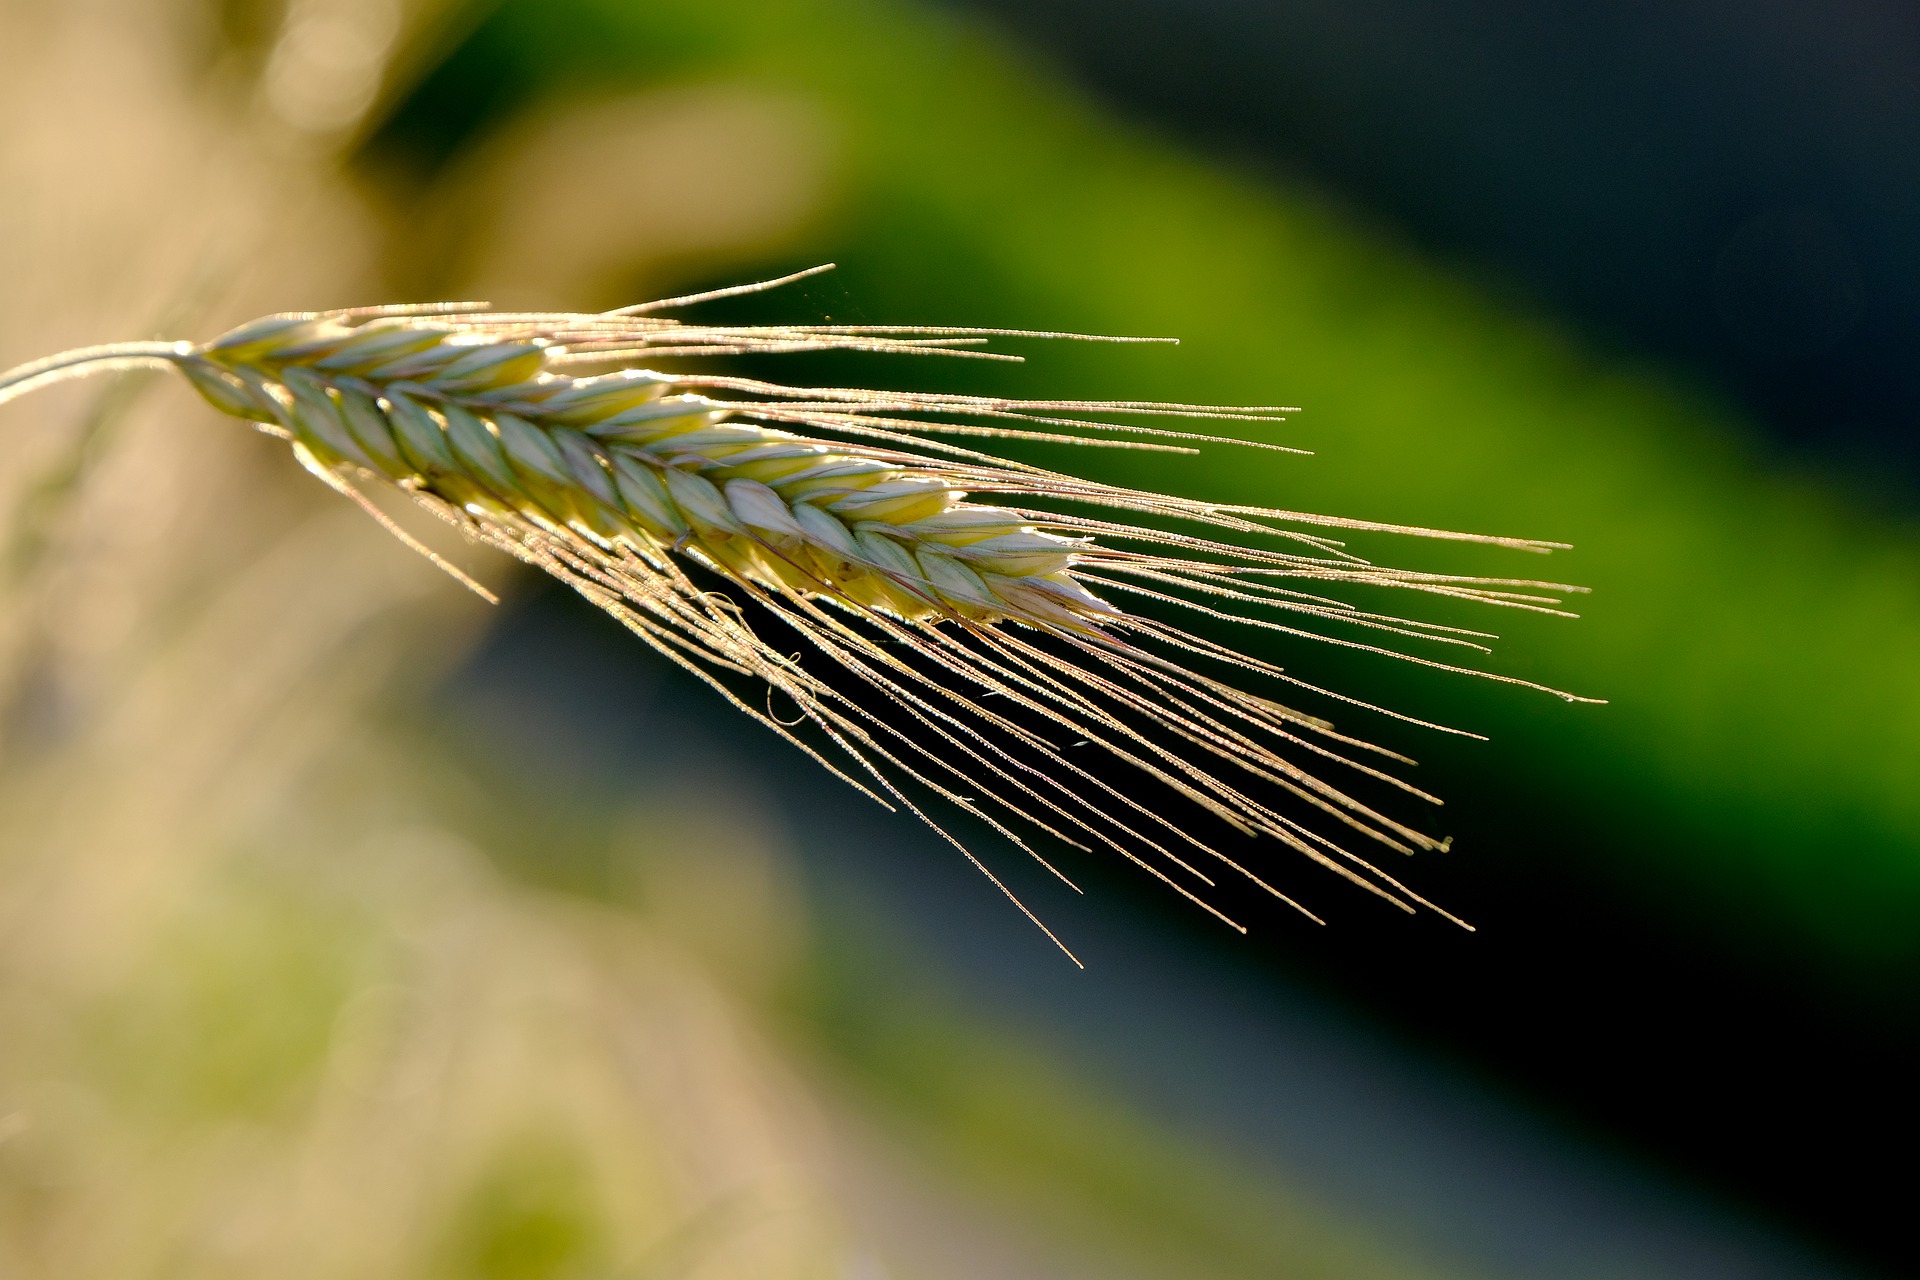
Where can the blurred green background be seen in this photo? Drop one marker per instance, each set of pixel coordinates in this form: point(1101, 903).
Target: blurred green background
point(510, 848)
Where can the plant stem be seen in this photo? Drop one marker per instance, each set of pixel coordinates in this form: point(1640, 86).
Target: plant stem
point(86, 361)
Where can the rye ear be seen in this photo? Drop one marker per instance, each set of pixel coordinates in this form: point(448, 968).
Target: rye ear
point(984, 616)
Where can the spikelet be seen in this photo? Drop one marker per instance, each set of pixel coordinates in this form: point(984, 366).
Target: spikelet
point(969, 601)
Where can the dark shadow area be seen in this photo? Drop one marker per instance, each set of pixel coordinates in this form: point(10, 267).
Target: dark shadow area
point(1731, 189)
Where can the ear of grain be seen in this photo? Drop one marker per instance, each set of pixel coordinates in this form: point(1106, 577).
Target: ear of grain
point(933, 576)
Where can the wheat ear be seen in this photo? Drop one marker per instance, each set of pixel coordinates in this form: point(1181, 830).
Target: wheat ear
point(934, 575)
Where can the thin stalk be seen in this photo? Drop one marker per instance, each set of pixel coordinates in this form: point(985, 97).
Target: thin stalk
point(84, 362)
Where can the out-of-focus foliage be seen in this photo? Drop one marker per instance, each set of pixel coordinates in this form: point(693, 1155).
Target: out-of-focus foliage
point(289, 985)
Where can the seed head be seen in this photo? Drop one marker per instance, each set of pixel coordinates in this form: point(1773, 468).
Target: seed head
point(972, 605)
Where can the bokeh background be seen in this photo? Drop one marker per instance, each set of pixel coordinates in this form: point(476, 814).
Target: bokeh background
point(351, 928)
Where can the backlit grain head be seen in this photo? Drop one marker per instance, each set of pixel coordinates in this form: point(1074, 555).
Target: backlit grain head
point(981, 621)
